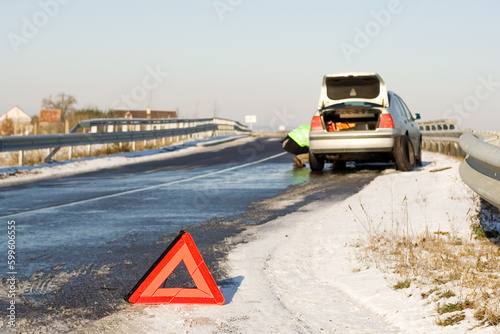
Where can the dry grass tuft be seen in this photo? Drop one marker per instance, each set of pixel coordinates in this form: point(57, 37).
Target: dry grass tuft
point(404, 284)
point(454, 307)
point(451, 320)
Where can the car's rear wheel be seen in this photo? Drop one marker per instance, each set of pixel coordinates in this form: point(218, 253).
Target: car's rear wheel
point(418, 159)
point(316, 162)
point(404, 154)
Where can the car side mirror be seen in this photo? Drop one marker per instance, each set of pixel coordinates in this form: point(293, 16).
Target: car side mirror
point(417, 116)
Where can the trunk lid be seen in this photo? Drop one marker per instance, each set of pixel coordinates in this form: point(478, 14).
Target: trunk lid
point(348, 88)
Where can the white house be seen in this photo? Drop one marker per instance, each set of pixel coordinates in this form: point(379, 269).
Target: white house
point(16, 115)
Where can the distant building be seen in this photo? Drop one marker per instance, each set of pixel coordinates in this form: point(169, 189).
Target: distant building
point(148, 113)
point(16, 115)
point(21, 123)
point(50, 121)
point(50, 115)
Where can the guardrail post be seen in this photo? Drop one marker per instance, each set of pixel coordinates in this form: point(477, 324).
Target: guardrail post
point(49, 156)
point(21, 157)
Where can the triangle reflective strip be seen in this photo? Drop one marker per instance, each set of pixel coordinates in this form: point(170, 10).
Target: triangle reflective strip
point(353, 92)
point(148, 290)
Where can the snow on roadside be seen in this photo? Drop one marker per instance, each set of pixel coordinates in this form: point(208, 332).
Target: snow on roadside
point(300, 273)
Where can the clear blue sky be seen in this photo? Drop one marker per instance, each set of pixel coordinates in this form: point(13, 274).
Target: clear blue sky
point(264, 58)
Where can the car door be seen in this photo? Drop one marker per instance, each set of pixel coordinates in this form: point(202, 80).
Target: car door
point(411, 126)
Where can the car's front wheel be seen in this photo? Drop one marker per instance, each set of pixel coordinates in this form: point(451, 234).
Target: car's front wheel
point(316, 162)
point(404, 154)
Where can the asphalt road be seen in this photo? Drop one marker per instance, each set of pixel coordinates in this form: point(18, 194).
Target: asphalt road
point(83, 241)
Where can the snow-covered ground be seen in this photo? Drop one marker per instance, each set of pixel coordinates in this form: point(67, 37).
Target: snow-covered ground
point(300, 273)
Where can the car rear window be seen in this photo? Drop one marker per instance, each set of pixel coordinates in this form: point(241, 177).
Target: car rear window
point(363, 87)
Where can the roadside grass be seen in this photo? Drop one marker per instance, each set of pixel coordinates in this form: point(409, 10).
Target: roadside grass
point(460, 277)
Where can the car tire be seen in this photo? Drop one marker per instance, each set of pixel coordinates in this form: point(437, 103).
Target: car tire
point(404, 154)
point(315, 162)
point(418, 158)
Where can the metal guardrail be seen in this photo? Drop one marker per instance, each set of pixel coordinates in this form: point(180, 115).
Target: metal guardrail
point(481, 168)
point(445, 142)
point(481, 150)
point(76, 139)
point(156, 128)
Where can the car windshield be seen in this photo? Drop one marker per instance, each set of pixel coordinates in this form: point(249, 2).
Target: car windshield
point(353, 104)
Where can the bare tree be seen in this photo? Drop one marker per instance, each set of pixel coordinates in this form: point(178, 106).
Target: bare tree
point(61, 101)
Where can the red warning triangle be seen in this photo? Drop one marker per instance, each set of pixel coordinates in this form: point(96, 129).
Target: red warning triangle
point(183, 248)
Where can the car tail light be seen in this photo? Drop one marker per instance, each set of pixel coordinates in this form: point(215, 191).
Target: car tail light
point(386, 122)
point(316, 123)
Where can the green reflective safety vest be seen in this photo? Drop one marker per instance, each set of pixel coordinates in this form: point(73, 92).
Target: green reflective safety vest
point(300, 135)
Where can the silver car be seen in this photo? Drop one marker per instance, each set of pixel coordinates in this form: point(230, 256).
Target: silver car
point(359, 120)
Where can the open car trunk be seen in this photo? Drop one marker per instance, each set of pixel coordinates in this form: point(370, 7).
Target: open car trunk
point(351, 119)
